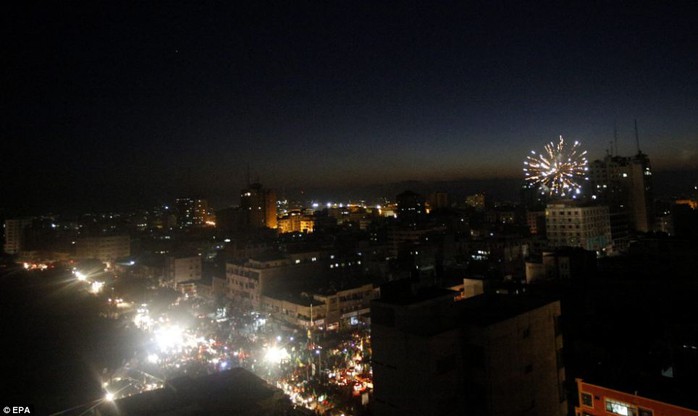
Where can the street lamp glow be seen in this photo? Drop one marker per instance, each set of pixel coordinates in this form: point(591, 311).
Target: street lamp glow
point(109, 397)
point(169, 338)
point(81, 276)
point(275, 355)
point(96, 287)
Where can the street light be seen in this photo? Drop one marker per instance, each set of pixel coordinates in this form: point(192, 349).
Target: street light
point(275, 355)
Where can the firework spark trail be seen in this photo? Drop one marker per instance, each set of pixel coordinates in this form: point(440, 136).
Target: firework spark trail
point(558, 172)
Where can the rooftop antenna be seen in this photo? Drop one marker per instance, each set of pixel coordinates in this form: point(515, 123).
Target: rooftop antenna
point(637, 138)
point(615, 135)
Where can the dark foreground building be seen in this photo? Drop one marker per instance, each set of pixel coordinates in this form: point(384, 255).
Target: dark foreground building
point(486, 355)
point(236, 392)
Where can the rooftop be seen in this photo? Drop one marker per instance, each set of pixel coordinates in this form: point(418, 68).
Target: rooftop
point(298, 299)
point(402, 292)
point(488, 309)
point(235, 392)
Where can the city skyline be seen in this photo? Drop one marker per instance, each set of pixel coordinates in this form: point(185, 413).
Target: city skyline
point(116, 104)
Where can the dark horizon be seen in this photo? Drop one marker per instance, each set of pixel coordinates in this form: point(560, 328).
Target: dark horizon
point(667, 185)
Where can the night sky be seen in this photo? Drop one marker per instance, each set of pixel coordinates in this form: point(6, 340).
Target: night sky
point(127, 102)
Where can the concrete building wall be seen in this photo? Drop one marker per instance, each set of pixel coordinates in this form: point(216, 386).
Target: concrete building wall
point(519, 372)
point(419, 375)
point(104, 248)
point(259, 206)
point(14, 234)
point(625, 184)
point(415, 364)
point(248, 281)
point(441, 357)
point(473, 287)
point(182, 269)
point(342, 305)
point(588, 227)
point(298, 313)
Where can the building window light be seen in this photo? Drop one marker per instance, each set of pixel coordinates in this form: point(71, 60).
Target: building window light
point(617, 408)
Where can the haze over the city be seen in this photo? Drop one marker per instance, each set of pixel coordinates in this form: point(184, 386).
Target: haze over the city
point(106, 103)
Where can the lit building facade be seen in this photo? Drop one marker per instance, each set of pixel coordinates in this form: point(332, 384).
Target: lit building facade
point(180, 269)
point(601, 401)
point(246, 278)
point(249, 279)
point(14, 234)
point(104, 248)
point(347, 306)
point(476, 201)
point(579, 225)
point(192, 212)
point(302, 312)
point(330, 311)
point(296, 222)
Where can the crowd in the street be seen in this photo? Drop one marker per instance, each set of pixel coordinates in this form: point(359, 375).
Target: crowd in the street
point(326, 372)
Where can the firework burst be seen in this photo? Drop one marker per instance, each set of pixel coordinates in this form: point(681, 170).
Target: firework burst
point(559, 171)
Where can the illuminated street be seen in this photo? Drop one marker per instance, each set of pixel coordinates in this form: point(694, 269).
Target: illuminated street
point(191, 336)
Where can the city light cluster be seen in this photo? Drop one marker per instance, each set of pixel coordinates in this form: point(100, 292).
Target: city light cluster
point(169, 337)
point(559, 171)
